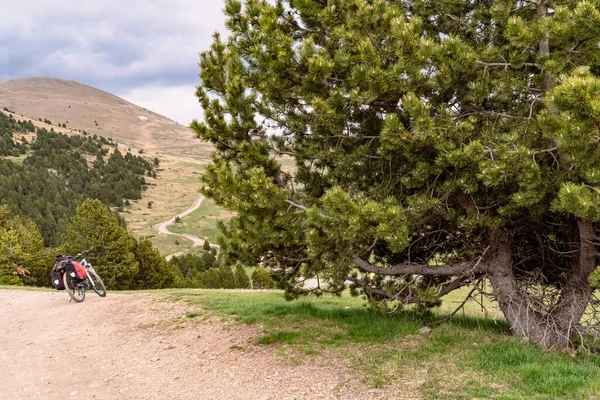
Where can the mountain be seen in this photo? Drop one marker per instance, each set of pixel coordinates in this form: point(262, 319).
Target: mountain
point(95, 111)
point(182, 157)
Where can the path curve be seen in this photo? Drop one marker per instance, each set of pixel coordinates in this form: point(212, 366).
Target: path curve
point(163, 227)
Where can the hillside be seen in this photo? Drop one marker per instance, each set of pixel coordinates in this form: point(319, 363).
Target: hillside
point(134, 128)
point(96, 111)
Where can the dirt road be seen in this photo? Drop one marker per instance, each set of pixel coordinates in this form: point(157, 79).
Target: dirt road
point(143, 347)
point(163, 227)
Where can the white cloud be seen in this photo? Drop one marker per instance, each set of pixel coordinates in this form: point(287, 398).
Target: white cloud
point(176, 102)
point(145, 51)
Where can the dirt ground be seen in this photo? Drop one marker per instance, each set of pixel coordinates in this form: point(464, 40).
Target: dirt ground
point(142, 347)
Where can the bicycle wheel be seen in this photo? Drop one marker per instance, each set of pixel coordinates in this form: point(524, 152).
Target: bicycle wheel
point(76, 291)
point(96, 283)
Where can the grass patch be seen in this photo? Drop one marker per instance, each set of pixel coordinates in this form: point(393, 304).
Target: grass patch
point(202, 222)
point(192, 314)
point(465, 358)
point(166, 244)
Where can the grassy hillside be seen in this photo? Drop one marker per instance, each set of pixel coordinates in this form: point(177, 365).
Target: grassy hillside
point(71, 107)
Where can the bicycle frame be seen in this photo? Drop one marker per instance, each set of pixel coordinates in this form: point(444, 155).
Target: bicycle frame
point(88, 267)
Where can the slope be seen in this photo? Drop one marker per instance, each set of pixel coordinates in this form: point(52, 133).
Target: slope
point(83, 108)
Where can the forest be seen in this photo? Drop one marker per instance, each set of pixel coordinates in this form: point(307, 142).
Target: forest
point(60, 171)
point(57, 190)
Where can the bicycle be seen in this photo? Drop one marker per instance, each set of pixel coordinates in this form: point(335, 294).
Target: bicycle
point(75, 288)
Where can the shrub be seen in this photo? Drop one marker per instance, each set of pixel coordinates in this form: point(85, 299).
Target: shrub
point(242, 280)
point(261, 279)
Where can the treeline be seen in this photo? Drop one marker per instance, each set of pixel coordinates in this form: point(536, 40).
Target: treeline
point(111, 179)
point(207, 271)
point(122, 262)
point(61, 171)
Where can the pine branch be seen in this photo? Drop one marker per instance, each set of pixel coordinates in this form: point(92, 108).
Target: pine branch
point(422, 269)
point(299, 206)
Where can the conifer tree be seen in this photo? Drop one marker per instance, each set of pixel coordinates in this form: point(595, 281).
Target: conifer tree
point(242, 280)
point(154, 272)
point(113, 256)
point(453, 141)
point(23, 257)
point(226, 277)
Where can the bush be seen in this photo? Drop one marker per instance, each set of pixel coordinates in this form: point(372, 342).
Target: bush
point(261, 279)
point(209, 279)
point(242, 280)
point(226, 277)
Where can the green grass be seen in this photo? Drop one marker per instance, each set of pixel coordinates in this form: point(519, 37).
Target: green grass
point(201, 222)
point(166, 244)
point(465, 358)
point(192, 314)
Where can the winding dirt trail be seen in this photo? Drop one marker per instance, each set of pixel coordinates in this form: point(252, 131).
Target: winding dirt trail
point(163, 227)
point(144, 347)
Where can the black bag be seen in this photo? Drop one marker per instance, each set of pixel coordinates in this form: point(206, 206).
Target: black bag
point(57, 280)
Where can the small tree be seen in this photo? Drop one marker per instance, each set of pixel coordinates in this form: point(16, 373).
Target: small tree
point(154, 272)
point(113, 256)
point(242, 280)
point(261, 279)
point(211, 279)
point(23, 257)
point(226, 277)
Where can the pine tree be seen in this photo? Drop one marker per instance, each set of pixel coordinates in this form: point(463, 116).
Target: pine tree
point(113, 256)
point(261, 279)
point(211, 279)
point(226, 277)
point(154, 272)
point(456, 141)
point(23, 257)
point(242, 280)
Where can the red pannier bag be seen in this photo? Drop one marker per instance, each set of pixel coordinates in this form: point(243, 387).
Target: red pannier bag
point(76, 271)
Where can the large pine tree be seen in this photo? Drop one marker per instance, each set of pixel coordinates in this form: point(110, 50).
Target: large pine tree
point(437, 144)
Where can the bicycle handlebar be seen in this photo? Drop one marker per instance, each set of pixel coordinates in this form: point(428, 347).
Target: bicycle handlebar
point(78, 256)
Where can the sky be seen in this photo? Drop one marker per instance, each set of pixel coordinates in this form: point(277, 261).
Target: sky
point(143, 51)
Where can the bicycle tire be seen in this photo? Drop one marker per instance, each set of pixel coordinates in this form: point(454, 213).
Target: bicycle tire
point(76, 292)
point(97, 283)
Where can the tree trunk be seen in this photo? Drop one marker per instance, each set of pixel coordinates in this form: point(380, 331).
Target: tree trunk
point(553, 326)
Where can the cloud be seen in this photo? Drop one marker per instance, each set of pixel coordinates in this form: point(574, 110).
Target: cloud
point(176, 102)
point(124, 47)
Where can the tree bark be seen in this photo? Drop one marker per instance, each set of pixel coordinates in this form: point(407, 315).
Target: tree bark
point(521, 317)
point(551, 327)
